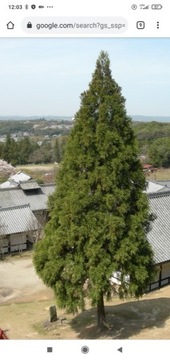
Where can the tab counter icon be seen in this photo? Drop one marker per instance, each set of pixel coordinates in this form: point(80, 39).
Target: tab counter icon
point(140, 25)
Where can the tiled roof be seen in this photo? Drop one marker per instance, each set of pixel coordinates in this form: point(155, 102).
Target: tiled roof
point(15, 180)
point(17, 219)
point(38, 200)
point(14, 200)
point(20, 176)
point(154, 187)
point(159, 235)
point(48, 189)
point(29, 185)
point(8, 184)
point(12, 197)
point(16, 197)
point(147, 166)
point(165, 183)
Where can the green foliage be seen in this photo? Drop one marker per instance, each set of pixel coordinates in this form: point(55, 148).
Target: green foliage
point(146, 133)
point(16, 153)
point(149, 136)
point(25, 151)
point(38, 127)
point(24, 147)
point(151, 130)
point(4, 178)
point(57, 152)
point(159, 152)
point(59, 147)
point(99, 213)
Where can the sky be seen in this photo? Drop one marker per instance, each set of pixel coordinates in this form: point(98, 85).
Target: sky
point(43, 76)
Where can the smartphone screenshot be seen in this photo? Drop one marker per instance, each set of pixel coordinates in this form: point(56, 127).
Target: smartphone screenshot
point(84, 179)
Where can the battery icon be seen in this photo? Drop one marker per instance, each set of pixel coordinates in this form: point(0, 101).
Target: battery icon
point(156, 6)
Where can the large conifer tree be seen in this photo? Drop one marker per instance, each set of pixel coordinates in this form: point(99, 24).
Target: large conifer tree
point(99, 213)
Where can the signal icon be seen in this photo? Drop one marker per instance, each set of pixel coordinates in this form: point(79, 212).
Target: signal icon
point(144, 7)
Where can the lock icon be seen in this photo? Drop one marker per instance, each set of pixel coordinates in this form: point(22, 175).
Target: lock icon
point(29, 25)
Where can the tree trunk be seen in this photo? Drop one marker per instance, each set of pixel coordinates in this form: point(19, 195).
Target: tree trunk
point(101, 316)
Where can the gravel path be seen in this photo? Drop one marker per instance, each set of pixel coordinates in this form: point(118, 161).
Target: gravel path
point(18, 278)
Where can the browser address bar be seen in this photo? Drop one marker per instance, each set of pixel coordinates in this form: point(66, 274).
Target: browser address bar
point(75, 25)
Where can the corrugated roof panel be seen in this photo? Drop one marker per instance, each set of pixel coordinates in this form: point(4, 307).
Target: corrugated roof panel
point(16, 197)
point(20, 176)
point(29, 185)
point(17, 219)
point(159, 236)
point(153, 187)
point(12, 197)
point(8, 184)
point(48, 189)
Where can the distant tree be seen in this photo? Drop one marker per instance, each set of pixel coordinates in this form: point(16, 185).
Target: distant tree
point(57, 151)
point(6, 148)
point(14, 153)
point(159, 152)
point(42, 154)
point(1, 150)
point(99, 215)
point(64, 139)
point(47, 151)
point(36, 157)
point(59, 147)
point(24, 149)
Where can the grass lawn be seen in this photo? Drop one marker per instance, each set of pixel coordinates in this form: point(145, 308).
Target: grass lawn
point(159, 175)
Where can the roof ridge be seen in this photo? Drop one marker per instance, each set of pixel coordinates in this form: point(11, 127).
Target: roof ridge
point(48, 184)
point(14, 207)
point(29, 180)
point(159, 194)
point(9, 188)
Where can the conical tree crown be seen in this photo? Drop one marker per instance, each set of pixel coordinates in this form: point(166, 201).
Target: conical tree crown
point(102, 130)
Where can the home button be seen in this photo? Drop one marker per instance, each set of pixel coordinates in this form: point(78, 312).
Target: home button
point(10, 25)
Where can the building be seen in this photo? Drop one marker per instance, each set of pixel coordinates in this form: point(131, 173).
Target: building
point(153, 186)
point(15, 180)
point(27, 193)
point(159, 236)
point(18, 227)
point(23, 212)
